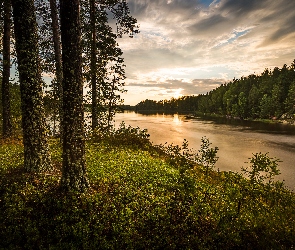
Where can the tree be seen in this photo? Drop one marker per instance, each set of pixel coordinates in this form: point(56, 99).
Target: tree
point(58, 92)
point(36, 153)
point(99, 51)
point(74, 166)
point(7, 125)
point(266, 107)
point(106, 72)
point(50, 53)
point(290, 100)
point(93, 67)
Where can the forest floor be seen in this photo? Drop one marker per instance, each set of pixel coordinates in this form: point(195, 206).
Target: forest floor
point(140, 197)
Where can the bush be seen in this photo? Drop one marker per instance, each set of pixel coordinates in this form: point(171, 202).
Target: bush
point(140, 199)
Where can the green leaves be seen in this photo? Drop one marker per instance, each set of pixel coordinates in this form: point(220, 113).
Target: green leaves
point(263, 168)
point(206, 155)
point(140, 199)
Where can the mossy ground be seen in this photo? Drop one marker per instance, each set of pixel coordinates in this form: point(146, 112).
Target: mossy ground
point(138, 199)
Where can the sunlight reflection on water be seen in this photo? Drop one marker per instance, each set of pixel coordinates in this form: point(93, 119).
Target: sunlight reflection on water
point(236, 142)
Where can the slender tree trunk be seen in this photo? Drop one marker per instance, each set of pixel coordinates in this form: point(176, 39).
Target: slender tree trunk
point(58, 60)
point(7, 126)
point(111, 103)
point(93, 66)
point(36, 153)
point(74, 166)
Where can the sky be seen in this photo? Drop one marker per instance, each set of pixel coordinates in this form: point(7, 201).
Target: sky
point(189, 47)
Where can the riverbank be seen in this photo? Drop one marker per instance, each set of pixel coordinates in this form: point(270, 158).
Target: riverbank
point(284, 119)
point(141, 197)
point(191, 115)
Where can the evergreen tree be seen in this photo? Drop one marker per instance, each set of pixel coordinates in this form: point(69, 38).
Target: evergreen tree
point(103, 64)
point(7, 124)
point(36, 153)
point(74, 166)
point(57, 87)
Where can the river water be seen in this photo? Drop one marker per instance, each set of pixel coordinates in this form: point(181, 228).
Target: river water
point(237, 140)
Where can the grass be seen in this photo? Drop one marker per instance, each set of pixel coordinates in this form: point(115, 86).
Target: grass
point(140, 197)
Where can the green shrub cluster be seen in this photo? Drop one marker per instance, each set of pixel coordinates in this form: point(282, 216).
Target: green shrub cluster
point(143, 198)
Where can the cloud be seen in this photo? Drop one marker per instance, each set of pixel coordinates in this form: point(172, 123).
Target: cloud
point(195, 86)
point(187, 44)
point(190, 17)
point(240, 7)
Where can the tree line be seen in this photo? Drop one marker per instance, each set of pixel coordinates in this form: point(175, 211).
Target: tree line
point(270, 95)
point(74, 43)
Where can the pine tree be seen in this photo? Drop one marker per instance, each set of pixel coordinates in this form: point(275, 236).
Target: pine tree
point(74, 166)
point(36, 153)
point(7, 125)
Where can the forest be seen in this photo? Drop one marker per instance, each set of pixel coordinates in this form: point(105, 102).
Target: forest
point(269, 95)
point(98, 187)
point(73, 44)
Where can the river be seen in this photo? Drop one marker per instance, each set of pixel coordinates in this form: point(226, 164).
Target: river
point(237, 140)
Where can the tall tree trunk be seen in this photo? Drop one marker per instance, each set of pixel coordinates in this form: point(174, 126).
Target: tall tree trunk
point(7, 126)
point(58, 60)
point(36, 153)
point(93, 66)
point(93, 62)
point(74, 166)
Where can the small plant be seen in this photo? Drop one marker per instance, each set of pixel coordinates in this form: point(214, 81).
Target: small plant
point(261, 174)
point(180, 156)
point(263, 169)
point(206, 155)
point(124, 136)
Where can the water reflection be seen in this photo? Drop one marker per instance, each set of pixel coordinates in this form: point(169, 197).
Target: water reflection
point(237, 140)
point(176, 120)
point(262, 127)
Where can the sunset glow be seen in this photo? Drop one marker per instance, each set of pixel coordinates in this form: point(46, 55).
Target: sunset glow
point(191, 47)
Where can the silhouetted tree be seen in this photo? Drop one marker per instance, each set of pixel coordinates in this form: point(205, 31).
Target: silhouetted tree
point(58, 91)
point(101, 52)
point(36, 153)
point(7, 125)
point(74, 166)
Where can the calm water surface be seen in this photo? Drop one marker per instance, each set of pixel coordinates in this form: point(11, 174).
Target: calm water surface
point(236, 140)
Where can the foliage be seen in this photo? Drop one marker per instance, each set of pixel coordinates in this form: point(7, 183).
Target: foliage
point(263, 168)
point(206, 155)
point(269, 95)
point(107, 65)
point(15, 106)
point(103, 64)
point(137, 201)
point(108, 69)
point(124, 135)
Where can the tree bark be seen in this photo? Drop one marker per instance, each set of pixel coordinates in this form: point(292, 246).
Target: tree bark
point(93, 62)
point(36, 153)
point(7, 125)
point(58, 59)
point(74, 167)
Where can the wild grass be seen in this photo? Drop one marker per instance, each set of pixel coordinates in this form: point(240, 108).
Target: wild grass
point(141, 197)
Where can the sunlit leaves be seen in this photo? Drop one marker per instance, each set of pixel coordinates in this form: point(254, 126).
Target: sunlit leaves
point(263, 168)
point(206, 155)
point(135, 200)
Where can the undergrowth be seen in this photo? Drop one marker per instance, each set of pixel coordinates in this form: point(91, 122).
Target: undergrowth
point(143, 197)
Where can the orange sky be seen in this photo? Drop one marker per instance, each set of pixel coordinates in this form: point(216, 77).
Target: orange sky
point(190, 47)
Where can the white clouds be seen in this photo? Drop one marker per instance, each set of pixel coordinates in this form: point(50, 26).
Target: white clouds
point(185, 40)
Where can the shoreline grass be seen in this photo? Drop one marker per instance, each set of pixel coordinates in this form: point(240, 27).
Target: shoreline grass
point(140, 198)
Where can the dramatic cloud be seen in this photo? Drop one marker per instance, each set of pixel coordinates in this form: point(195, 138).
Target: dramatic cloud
point(192, 46)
